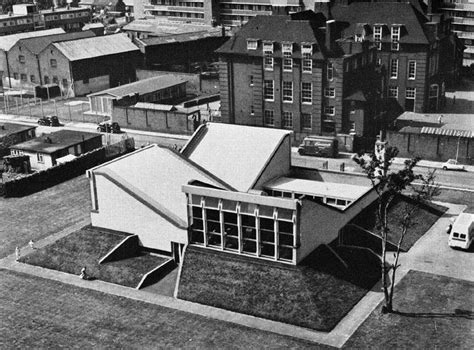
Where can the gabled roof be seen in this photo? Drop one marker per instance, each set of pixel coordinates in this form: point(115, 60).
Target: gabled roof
point(36, 45)
point(141, 87)
point(154, 175)
point(387, 13)
point(237, 154)
point(59, 140)
point(7, 41)
point(96, 47)
point(277, 28)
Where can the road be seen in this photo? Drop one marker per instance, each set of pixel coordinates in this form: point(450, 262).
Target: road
point(462, 180)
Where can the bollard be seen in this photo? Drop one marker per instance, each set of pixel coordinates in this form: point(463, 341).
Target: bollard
point(341, 167)
point(325, 164)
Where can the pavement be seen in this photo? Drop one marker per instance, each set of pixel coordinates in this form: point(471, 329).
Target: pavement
point(430, 254)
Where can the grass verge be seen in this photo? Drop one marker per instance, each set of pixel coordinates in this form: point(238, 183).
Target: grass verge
point(39, 313)
point(315, 294)
point(85, 248)
point(433, 312)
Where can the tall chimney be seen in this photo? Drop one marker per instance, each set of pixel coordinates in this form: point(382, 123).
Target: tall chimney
point(330, 24)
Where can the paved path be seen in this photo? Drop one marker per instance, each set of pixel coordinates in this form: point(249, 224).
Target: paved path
point(432, 245)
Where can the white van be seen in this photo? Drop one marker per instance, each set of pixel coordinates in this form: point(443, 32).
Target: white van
point(462, 233)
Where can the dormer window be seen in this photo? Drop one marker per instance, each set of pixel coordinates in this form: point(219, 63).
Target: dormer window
point(252, 44)
point(268, 47)
point(377, 32)
point(359, 38)
point(395, 37)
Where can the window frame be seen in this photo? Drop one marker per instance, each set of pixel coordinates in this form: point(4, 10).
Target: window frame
point(392, 89)
point(266, 87)
point(304, 124)
point(304, 93)
point(252, 44)
point(287, 98)
point(330, 92)
point(394, 69)
point(53, 63)
point(268, 113)
point(287, 52)
point(330, 71)
point(287, 116)
point(411, 70)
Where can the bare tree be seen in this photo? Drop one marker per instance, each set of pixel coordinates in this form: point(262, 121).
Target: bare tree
point(389, 185)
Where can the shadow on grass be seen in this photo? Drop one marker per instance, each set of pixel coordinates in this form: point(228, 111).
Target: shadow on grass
point(458, 313)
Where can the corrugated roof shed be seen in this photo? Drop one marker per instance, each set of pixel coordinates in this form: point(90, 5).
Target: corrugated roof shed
point(13, 128)
point(36, 45)
point(142, 86)
point(7, 41)
point(447, 132)
point(96, 47)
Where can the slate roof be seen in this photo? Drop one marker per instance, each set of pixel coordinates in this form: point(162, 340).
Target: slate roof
point(236, 154)
point(387, 13)
point(13, 128)
point(278, 28)
point(180, 38)
point(8, 41)
point(141, 86)
point(96, 47)
point(36, 45)
point(60, 140)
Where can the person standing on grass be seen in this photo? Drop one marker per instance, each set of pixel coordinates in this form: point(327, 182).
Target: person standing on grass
point(454, 99)
point(83, 274)
point(17, 253)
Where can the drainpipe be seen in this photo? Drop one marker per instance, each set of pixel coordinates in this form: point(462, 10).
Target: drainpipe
point(8, 71)
point(39, 70)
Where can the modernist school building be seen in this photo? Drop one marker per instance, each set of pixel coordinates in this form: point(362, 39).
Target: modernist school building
point(232, 188)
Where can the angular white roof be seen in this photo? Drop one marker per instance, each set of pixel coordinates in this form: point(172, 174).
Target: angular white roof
point(236, 154)
point(81, 49)
point(155, 176)
point(318, 188)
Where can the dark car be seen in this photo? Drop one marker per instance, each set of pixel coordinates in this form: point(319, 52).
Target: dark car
point(113, 127)
point(49, 120)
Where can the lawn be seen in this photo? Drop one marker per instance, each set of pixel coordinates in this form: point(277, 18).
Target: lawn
point(457, 197)
point(85, 248)
point(423, 217)
point(46, 314)
point(433, 312)
point(41, 214)
point(315, 294)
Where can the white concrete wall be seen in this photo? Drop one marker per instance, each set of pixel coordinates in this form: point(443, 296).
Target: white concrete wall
point(118, 210)
point(279, 164)
point(35, 165)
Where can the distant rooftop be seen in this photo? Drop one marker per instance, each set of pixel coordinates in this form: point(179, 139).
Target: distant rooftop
point(95, 47)
point(181, 37)
point(7, 41)
point(165, 27)
point(12, 128)
point(36, 45)
point(59, 140)
point(448, 121)
point(142, 86)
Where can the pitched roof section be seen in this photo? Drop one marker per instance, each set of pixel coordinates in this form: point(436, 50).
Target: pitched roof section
point(7, 41)
point(59, 140)
point(142, 86)
point(387, 13)
point(36, 45)
point(156, 174)
point(279, 29)
point(98, 46)
point(236, 154)
point(13, 128)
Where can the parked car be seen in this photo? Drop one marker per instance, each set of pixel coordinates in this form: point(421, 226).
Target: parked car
point(462, 232)
point(49, 120)
point(319, 146)
point(452, 164)
point(107, 126)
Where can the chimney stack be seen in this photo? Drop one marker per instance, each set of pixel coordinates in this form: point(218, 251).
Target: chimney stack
point(330, 28)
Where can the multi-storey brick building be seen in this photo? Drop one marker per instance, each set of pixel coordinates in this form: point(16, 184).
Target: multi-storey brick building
point(462, 14)
point(409, 38)
point(27, 17)
point(291, 71)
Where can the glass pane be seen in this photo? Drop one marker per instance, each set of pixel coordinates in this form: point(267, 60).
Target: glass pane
point(267, 236)
point(267, 224)
point(230, 218)
point(231, 230)
point(197, 212)
point(249, 233)
point(285, 239)
point(197, 224)
point(229, 205)
point(214, 240)
point(213, 226)
point(285, 226)
point(211, 202)
point(248, 208)
point(249, 247)
point(285, 253)
point(268, 250)
point(285, 214)
point(197, 237)
point(231, 243)
point(248, 221)
point(265, 211)
point(212, 215)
